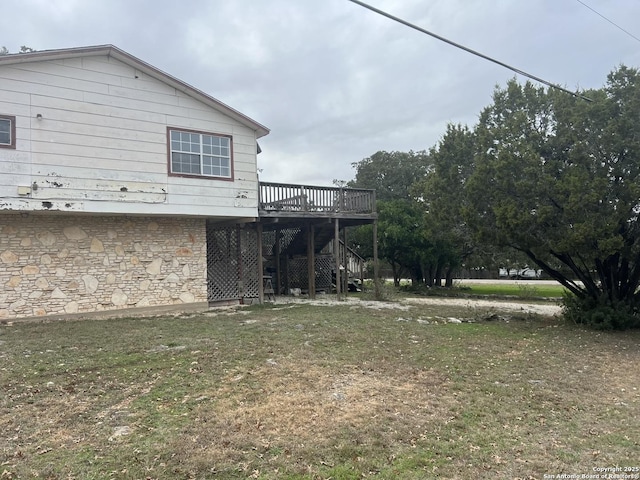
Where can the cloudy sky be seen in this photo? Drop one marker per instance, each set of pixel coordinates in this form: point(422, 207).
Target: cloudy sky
point(336, 82)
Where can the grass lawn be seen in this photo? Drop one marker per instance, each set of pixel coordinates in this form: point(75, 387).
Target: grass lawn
point(524, 290)
point(316, 392)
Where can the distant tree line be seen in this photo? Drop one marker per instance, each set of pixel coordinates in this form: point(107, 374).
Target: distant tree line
point(23, 49)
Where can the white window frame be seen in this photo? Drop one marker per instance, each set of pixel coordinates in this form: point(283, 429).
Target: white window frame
point(213, 151)
point(12, 131)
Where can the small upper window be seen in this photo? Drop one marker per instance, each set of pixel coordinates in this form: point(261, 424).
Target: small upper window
point(199, 154)
point(7, 131)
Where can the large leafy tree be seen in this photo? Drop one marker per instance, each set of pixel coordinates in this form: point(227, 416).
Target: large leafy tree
point(400, 224)
point(390, 174)
point(401, 239)
point(558, 178)
point(442, 194)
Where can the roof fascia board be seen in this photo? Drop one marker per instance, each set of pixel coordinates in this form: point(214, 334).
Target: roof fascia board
point(144, 67)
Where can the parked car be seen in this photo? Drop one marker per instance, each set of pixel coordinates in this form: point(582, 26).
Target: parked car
point(520, 273)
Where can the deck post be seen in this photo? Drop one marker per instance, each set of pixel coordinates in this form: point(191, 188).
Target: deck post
point(260, 265)
point(311, 260)
point(278, 269)
point(345, 262)
point(240, 281)
point(336, 253)
point(377, 293)
point(287, 286)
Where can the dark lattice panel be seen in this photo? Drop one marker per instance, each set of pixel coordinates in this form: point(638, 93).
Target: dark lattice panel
point(232, 263)
point(297, 273)
point(325, 266)
point(249, 252)
point(268, 243)
point(298, 276)
point(222, 263)
point(287, 237)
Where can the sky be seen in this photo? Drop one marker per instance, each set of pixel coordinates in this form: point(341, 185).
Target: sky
point(333, 81)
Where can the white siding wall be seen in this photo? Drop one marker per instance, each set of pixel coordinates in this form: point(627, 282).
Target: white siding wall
point(101, 143)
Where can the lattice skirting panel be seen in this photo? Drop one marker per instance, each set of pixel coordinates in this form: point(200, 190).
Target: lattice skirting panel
point(232, 263)
point(286, 239)
point(297, 273)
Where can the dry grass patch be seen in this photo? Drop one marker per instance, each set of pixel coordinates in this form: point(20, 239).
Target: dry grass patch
point(301, 411)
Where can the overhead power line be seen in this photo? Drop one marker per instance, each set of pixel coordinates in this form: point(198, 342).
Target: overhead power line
point(610, 21)
point(467, 49)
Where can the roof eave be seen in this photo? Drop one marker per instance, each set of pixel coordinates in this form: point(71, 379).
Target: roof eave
point(144, 67)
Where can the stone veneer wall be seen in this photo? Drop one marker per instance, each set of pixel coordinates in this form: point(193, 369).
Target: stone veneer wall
point(59, 264)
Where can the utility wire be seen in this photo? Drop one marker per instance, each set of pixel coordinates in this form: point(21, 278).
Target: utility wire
point(610, 21)
point(466, 49)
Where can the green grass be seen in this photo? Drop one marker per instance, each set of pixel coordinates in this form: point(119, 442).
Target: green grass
point(524, 290)
point(311, 392)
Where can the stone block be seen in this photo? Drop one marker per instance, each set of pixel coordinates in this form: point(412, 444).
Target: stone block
point(71, 307)
point(57, 293)
point(8, 257)
point(74, 233)
point(172, 278)
point(154, 267)
point(46, 238)
point(96, 246)
point(119, 298)
point(187, 297)
point(30, 270)
point(90, 283)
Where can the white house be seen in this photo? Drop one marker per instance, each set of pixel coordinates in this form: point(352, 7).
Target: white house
point(110, 172)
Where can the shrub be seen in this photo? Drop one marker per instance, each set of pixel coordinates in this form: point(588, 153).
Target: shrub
point(601, 313)
point(527, 291)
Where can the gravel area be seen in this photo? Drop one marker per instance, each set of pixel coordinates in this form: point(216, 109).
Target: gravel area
point(539, 308)
point(407, 303)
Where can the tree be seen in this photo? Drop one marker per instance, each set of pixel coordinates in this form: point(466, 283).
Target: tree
point(390, 174)
point(23, 49)
point(401, 239)
point(558, 178)
point(441, 192)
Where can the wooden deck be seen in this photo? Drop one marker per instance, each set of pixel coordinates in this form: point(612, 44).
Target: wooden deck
point(280, 200)
point(296, 222)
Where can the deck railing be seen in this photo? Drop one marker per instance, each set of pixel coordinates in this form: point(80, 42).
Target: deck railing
point(287, 198)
